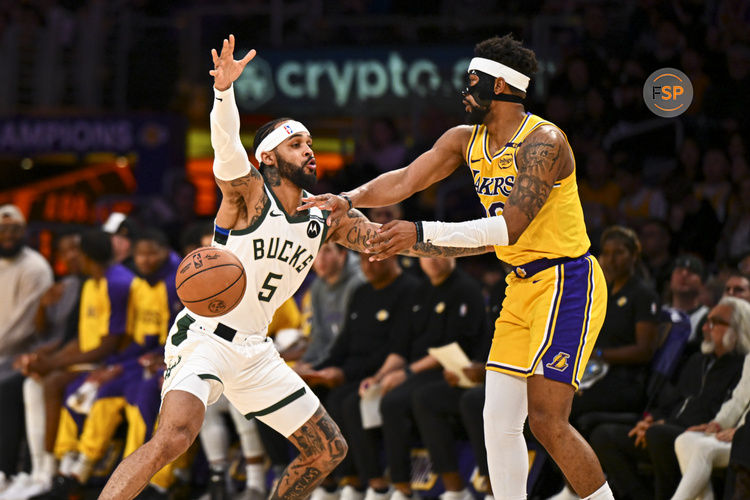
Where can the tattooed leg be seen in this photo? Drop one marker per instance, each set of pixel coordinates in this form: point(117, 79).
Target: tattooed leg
point(321, 447)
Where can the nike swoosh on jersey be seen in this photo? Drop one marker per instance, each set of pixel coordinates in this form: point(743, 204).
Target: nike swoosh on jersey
point(474, 161)
point(275, 214)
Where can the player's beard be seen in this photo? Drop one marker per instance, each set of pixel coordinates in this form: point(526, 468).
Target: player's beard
point(296, 174)
point(11, 251)
point(476, 115)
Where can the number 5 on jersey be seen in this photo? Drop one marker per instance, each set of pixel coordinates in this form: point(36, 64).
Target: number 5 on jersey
point(268, 289)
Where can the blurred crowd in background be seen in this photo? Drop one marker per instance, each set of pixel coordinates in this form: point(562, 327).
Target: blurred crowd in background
point(676, 191)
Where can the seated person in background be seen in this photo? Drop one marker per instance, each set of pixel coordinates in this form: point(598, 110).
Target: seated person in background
point(704, 383)
point(57, 321)
point(629, 335)
point(686, 286)
point(378, 314)
point(25, 277)
point(101, 323)
point(707, 446)
point(448, 307)
point(130, 383)
point(737, 285)
point(329, 295)
point(438, 404)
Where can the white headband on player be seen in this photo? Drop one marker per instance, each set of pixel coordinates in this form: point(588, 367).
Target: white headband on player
point(496, 69)
point(279, 135)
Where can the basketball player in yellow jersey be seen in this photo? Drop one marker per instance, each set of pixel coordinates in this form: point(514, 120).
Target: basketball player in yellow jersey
point(524, 175)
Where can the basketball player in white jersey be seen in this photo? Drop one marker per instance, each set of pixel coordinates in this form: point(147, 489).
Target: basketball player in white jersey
point(258, 221)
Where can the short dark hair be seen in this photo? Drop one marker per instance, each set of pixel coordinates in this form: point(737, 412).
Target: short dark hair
point(151, 234)
point(510, 52)
point(263, 132)
point(97, 246)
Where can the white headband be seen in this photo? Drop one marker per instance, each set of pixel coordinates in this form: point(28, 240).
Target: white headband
point(494, 68)
point(279, 135)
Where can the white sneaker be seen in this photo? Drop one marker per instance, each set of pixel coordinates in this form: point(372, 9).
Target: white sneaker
point(397, 495)
point(18, 483)
point(321, 493)
point(371, 494)
point(349, 492)
point(35, 487)
point(463, 494)
point(489, 497)
point(565, 494)
point(4, 482)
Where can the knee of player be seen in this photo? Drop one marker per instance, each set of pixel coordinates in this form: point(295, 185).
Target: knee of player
point(546, 425)
point(174, 440)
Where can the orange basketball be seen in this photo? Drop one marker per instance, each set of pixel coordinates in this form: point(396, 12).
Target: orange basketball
point(210, 281)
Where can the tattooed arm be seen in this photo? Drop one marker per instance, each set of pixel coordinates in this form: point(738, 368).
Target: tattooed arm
point(542, 160)
point(355, 231)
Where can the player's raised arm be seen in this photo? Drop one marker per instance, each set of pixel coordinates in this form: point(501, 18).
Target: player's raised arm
point(232, 169)
point(392, 187)
point(356, 232)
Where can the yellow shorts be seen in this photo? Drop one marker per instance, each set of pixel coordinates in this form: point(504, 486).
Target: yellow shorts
point(552, 317)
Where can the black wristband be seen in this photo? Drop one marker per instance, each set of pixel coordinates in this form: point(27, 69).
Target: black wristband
point(407, 370)
point(420, 231)
point(348, 200)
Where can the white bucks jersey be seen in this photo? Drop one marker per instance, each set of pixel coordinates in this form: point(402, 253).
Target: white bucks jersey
point(277, 252)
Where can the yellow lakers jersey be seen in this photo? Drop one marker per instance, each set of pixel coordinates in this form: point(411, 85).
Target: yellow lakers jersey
point(93, 323)
point(558, 230)
point(148, 311)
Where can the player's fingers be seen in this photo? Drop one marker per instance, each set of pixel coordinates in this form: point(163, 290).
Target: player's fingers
point(215, 57)
point(248, 57)
point(387, 226)
point(231, 42)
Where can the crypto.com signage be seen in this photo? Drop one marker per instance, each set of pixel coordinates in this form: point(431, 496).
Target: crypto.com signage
point(352, 81)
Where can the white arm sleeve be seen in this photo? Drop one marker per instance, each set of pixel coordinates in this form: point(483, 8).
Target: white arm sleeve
point(230, 157)
point(471, 233)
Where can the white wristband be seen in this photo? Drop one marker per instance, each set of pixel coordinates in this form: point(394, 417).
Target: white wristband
point(470, 233)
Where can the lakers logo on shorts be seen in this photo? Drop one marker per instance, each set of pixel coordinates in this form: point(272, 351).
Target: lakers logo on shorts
point(560, 363)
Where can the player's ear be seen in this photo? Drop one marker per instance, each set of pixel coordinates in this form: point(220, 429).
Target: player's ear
point(268, 158)
point(500, 85)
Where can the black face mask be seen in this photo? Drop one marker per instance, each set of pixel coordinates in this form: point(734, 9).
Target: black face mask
point(483, 91)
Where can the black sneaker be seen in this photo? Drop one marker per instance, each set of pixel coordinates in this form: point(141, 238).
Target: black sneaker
point(217, 486)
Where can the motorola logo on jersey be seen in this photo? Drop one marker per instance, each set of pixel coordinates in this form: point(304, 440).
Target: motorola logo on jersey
point(313, 229)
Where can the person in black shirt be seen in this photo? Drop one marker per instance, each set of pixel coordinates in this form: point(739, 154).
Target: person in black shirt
point(627, 340)
point(447, 308)
point(629, 335)
point(704, 383)
point(379, 311)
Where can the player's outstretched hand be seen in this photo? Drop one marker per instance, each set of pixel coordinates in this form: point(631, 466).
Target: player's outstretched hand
point(337, 205)
point(392, 238)
point(226, 68)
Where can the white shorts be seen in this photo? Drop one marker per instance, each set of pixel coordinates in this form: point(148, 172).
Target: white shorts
point(248, 370)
